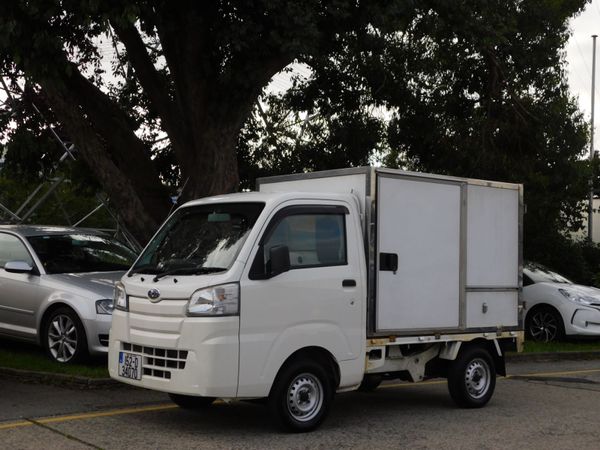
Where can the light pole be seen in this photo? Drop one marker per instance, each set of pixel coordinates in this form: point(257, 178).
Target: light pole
point(591, 205)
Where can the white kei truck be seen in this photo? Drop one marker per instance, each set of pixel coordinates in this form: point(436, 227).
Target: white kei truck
point(325, 282)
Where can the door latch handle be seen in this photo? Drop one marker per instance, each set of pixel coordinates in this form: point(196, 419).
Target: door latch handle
point(349, 283)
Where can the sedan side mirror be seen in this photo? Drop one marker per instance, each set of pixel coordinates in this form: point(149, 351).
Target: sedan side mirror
point(18, 267)
point(280, 259)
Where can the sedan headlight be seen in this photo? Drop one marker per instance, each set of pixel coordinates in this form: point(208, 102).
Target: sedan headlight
point(120, 298)
point(105, 306)
point(222, 300)
point(577, 298)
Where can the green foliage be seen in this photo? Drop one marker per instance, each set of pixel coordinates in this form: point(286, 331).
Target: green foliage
point(468, 88)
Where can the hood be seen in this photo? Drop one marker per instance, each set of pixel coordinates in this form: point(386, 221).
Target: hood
point(584, 291)
point(590, 295)
point(100, 284)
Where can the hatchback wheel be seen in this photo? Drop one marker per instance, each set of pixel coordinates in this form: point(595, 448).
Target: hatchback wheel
point(545, 325)
point(64, 337)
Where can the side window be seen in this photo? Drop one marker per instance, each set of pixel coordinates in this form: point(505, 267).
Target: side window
point(12, 249)
point(314, 240)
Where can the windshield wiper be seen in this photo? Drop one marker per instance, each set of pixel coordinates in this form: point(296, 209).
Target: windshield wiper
point(188, 271)
point(141, 268)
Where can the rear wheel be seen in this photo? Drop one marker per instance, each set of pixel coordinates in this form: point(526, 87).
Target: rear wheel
point(301, 396)
point(544, 324)
point(472, 378)
point(191, 401)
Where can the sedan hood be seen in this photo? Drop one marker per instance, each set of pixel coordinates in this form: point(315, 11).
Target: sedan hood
point(101, 284)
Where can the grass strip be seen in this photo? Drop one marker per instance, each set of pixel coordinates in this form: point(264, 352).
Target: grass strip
point(16, 355)
point(567, 346)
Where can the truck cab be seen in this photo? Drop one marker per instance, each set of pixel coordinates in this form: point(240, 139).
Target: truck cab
point(232, 287)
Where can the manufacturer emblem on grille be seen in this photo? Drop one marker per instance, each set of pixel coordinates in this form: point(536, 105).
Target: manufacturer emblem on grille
point(154, 295)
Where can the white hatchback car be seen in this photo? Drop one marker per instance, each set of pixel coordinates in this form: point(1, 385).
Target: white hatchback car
point(556, 307)
point(56, 287)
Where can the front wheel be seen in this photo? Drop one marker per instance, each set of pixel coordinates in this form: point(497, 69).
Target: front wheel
point(472, 378)
point(370, 383)
point(301, 396)
point(191, 402)
point(64, 336)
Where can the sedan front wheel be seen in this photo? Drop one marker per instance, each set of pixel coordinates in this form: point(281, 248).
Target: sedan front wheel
point(64, 337)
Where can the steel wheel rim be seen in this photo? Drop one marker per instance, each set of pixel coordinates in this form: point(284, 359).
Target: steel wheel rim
point(305, 397)
point(477, 378)
point(62, 338)
point(544, 327)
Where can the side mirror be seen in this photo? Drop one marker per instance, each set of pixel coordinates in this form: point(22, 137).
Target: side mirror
point(280, 259)
point(18, 267)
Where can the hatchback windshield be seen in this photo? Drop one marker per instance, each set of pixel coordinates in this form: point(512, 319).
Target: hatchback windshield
point(199, 239)
point(80, 253)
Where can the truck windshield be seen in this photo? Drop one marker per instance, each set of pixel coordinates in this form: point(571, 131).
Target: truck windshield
point(199, 239)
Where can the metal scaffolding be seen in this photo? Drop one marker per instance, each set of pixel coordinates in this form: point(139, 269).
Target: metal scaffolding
point(47, 187)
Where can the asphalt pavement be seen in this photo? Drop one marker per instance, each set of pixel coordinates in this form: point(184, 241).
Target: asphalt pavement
point(541, 405)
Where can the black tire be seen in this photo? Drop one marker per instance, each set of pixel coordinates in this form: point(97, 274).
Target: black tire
point(370, 383)
point(301, 396)
point(63, 336)
point(544, 324)
point(191, 401)
point(472, 378)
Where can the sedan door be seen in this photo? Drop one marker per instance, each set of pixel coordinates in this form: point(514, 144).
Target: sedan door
point(20, 293)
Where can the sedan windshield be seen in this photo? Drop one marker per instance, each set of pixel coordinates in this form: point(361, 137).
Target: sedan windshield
point(199, 239)
point(81, 253)
point(540, 274)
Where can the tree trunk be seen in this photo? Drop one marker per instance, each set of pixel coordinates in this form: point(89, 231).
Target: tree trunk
point(132, 185)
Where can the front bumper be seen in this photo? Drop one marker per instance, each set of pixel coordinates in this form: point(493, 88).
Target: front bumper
point(97, 331)
point(584, 322)
point(182, 355)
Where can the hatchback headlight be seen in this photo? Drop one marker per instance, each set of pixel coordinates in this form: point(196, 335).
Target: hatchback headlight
point(222, 300)
point(105, 306)
point(120, 298)
point(575, 297)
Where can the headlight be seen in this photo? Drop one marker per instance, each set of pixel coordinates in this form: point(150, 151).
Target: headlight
point(575, 297)
point(104, 306)
point(120, 299)
point(223, 300)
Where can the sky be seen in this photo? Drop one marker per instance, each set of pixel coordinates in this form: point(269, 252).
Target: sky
point(579, 60)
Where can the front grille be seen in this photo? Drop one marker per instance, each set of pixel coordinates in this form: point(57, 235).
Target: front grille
point(158, 362)
point(103, 338)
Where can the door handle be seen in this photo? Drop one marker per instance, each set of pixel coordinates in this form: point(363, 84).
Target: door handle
point(349, 283)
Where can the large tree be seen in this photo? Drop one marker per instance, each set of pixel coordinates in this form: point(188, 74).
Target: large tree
point(193, 68)
point(472, 88)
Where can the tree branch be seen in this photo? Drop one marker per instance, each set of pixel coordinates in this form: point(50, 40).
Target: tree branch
point(150, 80)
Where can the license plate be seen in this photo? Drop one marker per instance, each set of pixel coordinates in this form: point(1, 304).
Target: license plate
point(130, 366)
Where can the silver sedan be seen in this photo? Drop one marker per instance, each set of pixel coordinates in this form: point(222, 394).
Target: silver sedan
point(56, 287)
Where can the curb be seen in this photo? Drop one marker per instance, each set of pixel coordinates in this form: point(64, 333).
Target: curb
point(78, 382)
point(60, 379)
